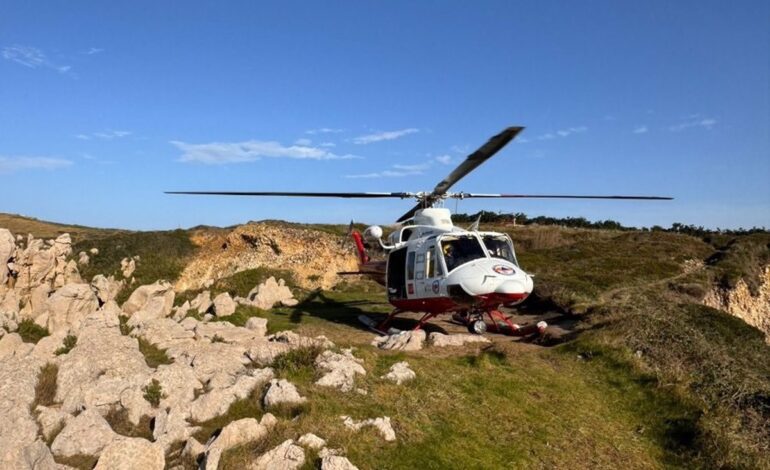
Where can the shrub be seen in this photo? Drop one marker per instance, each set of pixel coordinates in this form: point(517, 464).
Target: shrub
point(45, 389)
point(153, 393)
point(31, 332)
point(69, 342)
point(153, 355)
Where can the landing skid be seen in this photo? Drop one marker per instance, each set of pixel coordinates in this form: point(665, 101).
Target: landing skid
point(500, 323)
point(375, 326)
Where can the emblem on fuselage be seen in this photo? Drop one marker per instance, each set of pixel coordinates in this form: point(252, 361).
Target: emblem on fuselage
point(504, 270)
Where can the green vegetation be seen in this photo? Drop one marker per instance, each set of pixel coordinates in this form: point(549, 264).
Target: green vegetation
point(117, 417)
point(153, 355)
point(153, 393)
point(297, 364)
point(31, 332)
point(45, 389)
point(239, 284)
point(69, 342)
point(162, 255)
point(124, 328)
point(217, 339)
point(21, 225)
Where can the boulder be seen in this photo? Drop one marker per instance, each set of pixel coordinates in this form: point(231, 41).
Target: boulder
point(9, 344)
point(234, 434)
point(107, 288)
point(269, 293)
point(130, 454)
point(441, 340)
point(217, 401)
point(258, 325)
point(311, 441)
point(341, 369)
point(171, 427)
point(94, 251)
point(282, 392)
point(224, 305)
point(287, 456)
point(400, 373)
point(155, 299)
point(86, 434)
point(51, 420)
point(18, 378)
point(381, 424)
point(7, 248)
point(202, 302)
point(403, 341)
point(336, 462)
point(68, 306)
point(127, 267)
point(193, 449)
point(83, 258)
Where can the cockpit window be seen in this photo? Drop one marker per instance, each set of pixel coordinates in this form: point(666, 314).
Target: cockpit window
point(460, 250)
point(500, 247)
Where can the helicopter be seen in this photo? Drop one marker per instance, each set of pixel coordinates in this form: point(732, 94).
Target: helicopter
point(433, 267)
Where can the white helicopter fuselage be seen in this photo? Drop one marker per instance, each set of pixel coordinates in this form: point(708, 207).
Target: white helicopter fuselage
point(436, 267)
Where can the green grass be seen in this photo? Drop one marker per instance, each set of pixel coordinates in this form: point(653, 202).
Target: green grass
point(153, 355)
point(163, 255)
point(153, 393)
point(31, 332)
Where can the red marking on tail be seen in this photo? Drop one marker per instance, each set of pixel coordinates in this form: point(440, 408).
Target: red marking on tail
point(359, 240)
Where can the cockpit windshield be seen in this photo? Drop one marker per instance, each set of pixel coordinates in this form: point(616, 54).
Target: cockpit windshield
point(459, 250)
point(500, 247)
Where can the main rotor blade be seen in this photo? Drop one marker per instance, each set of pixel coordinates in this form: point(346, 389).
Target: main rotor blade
point(292, 194)
point(561, 196)
point(471, 162)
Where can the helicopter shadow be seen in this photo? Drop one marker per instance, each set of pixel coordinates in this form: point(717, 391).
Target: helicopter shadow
point(319, 305)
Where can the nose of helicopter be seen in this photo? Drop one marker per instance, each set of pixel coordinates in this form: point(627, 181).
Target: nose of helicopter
point(494, 282)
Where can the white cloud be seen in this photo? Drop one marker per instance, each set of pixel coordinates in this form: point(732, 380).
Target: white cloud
point(106, 135)
point(460, 149)
point(304, 142)
point(380, 136)
point(395, 171)
point(640, 130)
point(328, 144)
point(444, 159)
point(561, 133)
point(93, 50)
point(220, 153)
point(11, 164)
point(324, 130)
point(31, 57)
point(694, 121)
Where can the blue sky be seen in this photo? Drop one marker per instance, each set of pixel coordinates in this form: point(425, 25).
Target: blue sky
point(104, 105)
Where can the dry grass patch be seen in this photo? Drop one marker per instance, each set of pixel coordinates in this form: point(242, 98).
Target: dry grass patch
point(45, 390)
point(118, 420)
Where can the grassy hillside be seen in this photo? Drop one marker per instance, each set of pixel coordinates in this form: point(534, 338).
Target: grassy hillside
point(22, 225)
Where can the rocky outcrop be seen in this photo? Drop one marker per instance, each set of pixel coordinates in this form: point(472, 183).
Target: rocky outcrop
point(18, 377)
point(314, 257)
point(127, 267)
point(341, 369)
point(287, 456)
point(440, 340)
point(224, 305)
point(382, 425)
point(237, 433)
point(131, 454)
point(67, 307)
point(155, 300)
point(106, 288)
point(400, 373)
point(87, 434)
point(311, 441)
point(282, 392)
point(753, 309)
point(7, 248)
point(336, 462)
point(271, 292)
point(403, 341)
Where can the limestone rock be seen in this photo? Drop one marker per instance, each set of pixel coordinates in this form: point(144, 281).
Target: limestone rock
point(287, 456)
point(403, 341)
point(234, 434)
point(441, 340)
point(381, 424)
point(130, 454)
point(86, 434)
point(258, 325)
point(202, 303)
point(311, 441)
point(218, 400)
point(83, 258)
point(336, 462)
point(68, 306)
point(282, 392)
point(742, 303)
point(127, 267)
point(400, 373)
point(172, 427)
point(269, 293)
point(51, 420)
point(37, 456)
point(7, 248)
point(193, 449)
point(341, 369)
point(156, 299)
point(107, 288)
point(18, 377)
point(224, 305)
point(94, 251)
point(9, 344)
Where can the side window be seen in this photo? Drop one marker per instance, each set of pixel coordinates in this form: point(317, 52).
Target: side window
point(430, 262)
point(410, 266)
point(439, 268)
